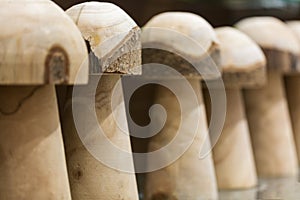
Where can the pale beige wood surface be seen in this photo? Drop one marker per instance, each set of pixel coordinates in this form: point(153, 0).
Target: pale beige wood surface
point(266, 108)
point(40, 28)
point(281, 49)
point(239, 52)
point(271, 130)
point(295, 27)
point(185, 23)
point(33, 52)
point(89, 178)
point(114, 41)
point(292, 85)
point(181, 37)
point(189, 177)
point(233, 154)
point(112, 37)
point(32, 161)
point(242, 60)
point(194, 41)
point(260, 27)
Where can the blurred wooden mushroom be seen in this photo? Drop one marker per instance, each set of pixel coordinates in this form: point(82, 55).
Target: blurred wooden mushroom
point(115, 49)
point(266, 108)
point(184, 42)
point(292, 82)
point(243, 64)
point(39, 46)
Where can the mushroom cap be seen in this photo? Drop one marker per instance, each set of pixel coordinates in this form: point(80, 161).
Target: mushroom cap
point(186, 36)
point(40, 44)
point(295, 27)
point(188, 24)
point(242, 61)
point(113, 37)
point(269, 32)
point(276, 39)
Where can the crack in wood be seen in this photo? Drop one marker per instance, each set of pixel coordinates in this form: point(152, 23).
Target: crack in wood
point(77, 18)
point(21, 102)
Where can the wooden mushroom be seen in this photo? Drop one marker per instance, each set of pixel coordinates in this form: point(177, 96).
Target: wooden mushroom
point(40, 47)
point(266, 108)
point(235, 169)
point(115, 48)
point(189, 177)
point(243, 66)
point(292, 82)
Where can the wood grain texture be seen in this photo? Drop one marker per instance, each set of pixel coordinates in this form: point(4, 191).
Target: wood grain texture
point(205, 68)
point(233, 154)
point(174, 39)
point(271, 130)
point(243, 61)
point(243, 64)
point(32, 160)
point(281, 49)
point(266, 108)
point(292, 91)
point(89, 178)
point(184, 41)
point(188, 177)
point(262, 29)
point(113, 37)
point(190, 24)
point(40, 28)
point(115, 47)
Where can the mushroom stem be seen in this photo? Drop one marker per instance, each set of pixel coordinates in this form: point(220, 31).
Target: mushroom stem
point(233, 155)
point(293, 97)
point(32, 159)
point(89, 177)
point(270, 127)
point(189, 177)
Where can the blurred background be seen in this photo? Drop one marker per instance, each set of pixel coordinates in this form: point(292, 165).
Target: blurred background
point(217, 12)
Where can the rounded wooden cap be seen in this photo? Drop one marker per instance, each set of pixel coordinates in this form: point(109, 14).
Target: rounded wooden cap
point(242, 61)
point(295, 27)
point(113, 37)
point(276, 39)
point(185, 38)
point(40, 44)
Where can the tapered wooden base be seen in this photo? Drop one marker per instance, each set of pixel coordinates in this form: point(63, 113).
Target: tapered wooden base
point(292, 86)
point(32, 159)
point(189, 177)
point(271, 130)
point(233, 155)
point(89, 178)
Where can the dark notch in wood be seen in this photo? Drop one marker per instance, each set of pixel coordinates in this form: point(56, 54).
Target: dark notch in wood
point(185, 64)
point(57, 66)
point(282, 61)
point(247, 79)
